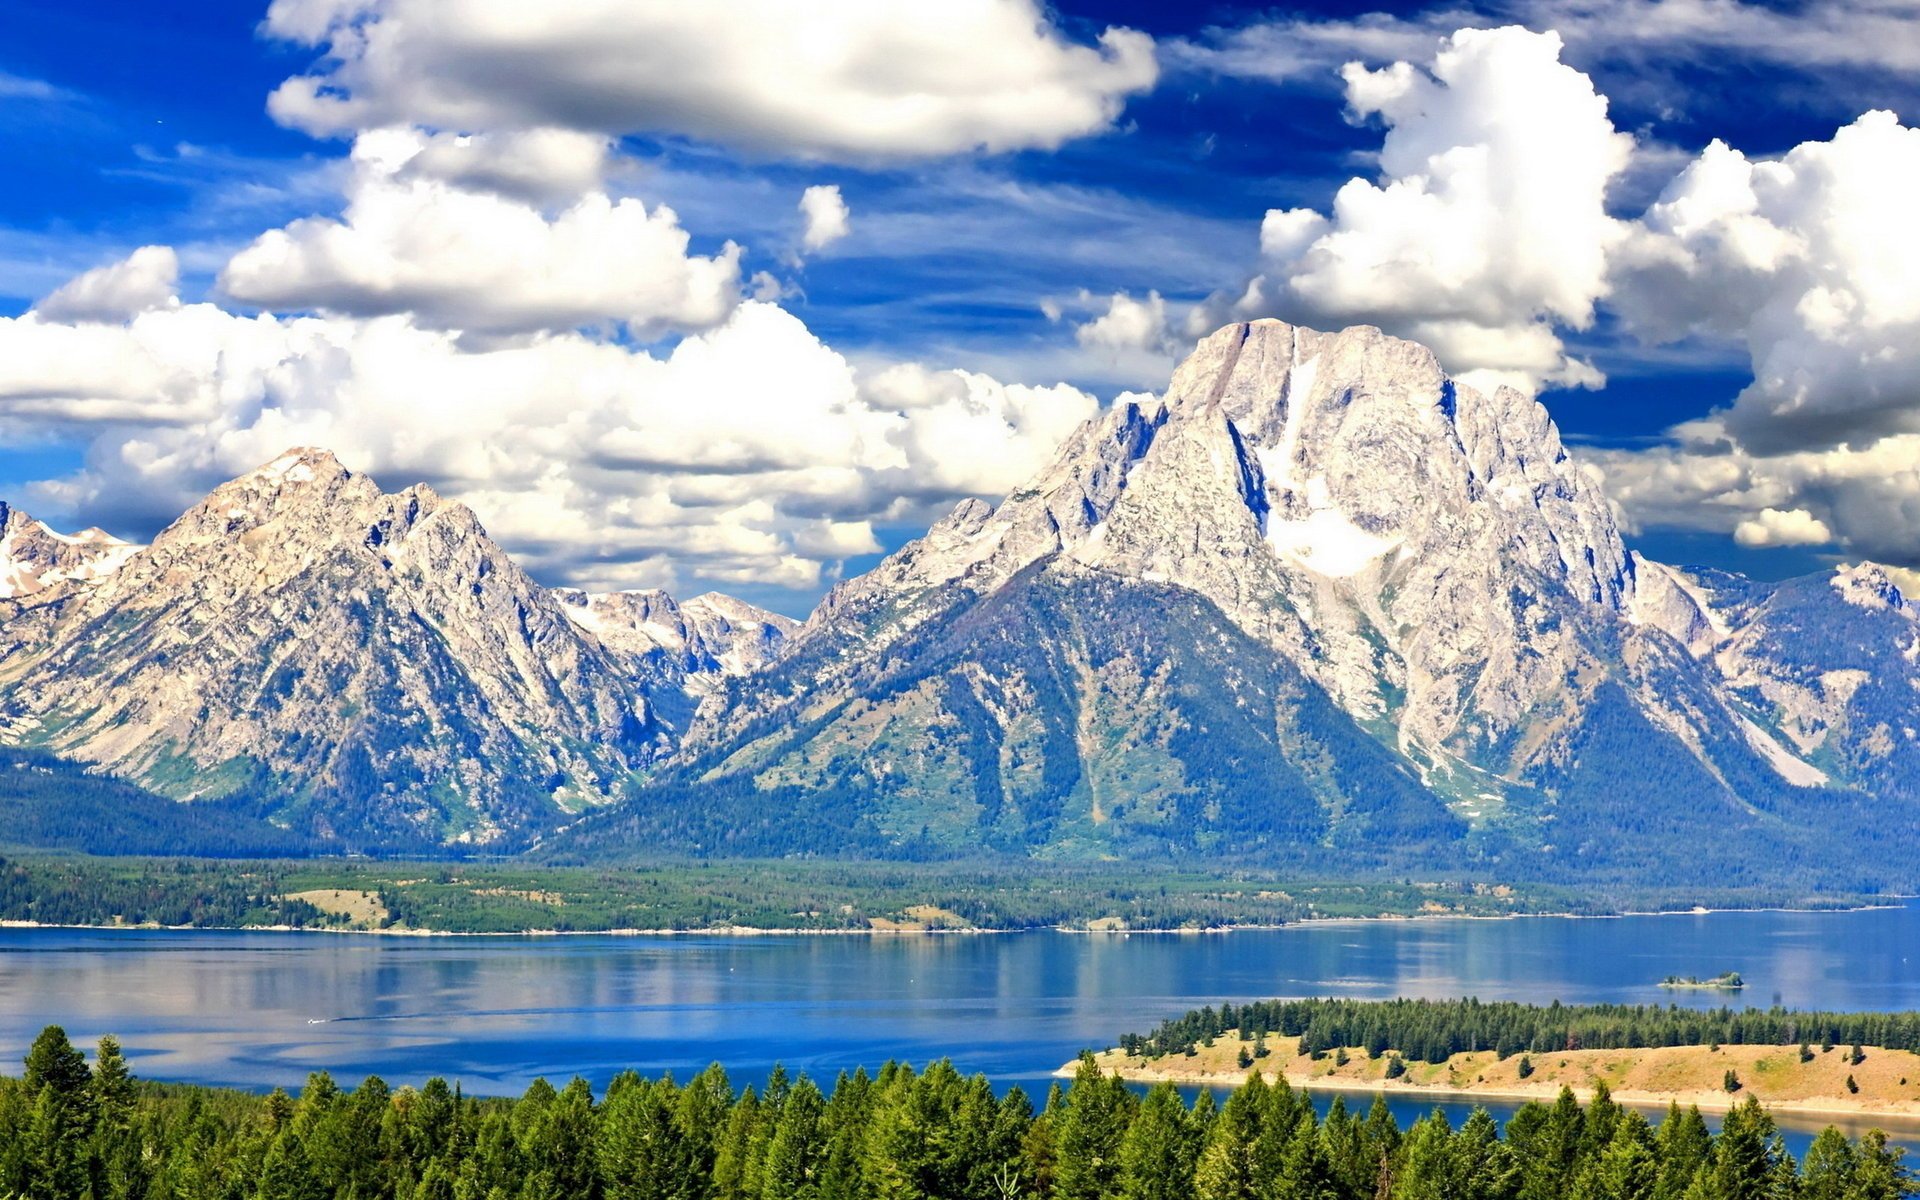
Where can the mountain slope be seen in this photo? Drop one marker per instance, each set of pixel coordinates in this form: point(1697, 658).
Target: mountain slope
point(1829, 663)
point(1067, 713)
point(372, 661)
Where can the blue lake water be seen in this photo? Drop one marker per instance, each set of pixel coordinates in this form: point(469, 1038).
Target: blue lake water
point(263, 1009)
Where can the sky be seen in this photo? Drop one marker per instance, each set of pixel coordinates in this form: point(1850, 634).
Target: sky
point(743, 296)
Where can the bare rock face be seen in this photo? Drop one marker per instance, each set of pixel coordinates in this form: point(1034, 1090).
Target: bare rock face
point(33, 557)
point(373, 658)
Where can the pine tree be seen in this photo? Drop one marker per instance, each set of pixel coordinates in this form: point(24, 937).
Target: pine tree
point(286, 1174)
point(794, 1149)
point(1427, 1170)
point(58, 1087)
point(1828, 1171)
point(1878, 1173)
point(1158, 1153)
point(1092, 1125)
point(1628, 1168)
point(1226, 1169)
point(1683, 1146)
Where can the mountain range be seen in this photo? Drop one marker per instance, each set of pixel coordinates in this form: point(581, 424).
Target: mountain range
point(1316, 604)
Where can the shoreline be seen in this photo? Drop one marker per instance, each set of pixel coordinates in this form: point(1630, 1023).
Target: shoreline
point(1908, 1113)
point(758, 931)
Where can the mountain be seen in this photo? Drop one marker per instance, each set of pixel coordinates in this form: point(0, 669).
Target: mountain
point(33, 557)
point(370, 661)
point(1318, 595)
point(1831, 661)
point(1317, 605)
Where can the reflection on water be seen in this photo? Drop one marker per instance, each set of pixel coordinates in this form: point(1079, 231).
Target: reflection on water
point(263, 1009)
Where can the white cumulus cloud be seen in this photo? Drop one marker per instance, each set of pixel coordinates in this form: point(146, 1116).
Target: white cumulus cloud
point(839, 79)
point(1782, 527)
point(1813, 261)
point(751, 454)
point(825, 212)
point(1487, 226)
point(417, 241)
point(143, 280)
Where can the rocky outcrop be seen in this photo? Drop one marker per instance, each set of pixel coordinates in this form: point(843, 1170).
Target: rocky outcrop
point(33, 557)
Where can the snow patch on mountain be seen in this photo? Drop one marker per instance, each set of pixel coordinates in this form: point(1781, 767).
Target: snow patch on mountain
point(35, 557)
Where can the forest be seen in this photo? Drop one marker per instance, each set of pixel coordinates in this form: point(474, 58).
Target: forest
point(1436, 1030)
point(74, 1131)
point(813, 894)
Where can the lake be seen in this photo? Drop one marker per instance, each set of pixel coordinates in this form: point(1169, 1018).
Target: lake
point(258, 1010)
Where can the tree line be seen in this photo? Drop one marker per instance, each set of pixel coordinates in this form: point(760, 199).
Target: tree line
point(1436, 1030)
point(73, 1132)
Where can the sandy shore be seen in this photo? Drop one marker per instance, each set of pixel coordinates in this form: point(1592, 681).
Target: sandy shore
point(903, 930)
point(1653, 1078)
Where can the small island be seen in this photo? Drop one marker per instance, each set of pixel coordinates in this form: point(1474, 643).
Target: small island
point(1728, 981)
point(1838, 1063)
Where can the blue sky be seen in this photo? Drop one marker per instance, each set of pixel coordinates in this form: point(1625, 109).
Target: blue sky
point(124, 132)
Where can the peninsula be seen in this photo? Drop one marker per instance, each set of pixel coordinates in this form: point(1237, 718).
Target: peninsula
point(1642, 1055)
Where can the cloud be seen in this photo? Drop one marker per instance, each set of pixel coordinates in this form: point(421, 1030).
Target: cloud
point(539, 166)
point(1782, 527)
point(1866, 500)
point(750, 454)
point(419, 237)
point(21, 87)
point(144, 280)
point(825, 213)
point(1813, 261)
point(1487, 227)
point(853, 79)
point(1130, 325)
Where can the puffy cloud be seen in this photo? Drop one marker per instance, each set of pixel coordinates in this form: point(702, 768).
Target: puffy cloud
point(825, 213)
point(1866, 500)
point(961, 433)
point(1782, 527)
point(857, 79)
point(1488, 225)
point(540, 166)
point(143, 280)
point(1130, 325)
point(1813, 261)
point(416, 238)
point(749, 454)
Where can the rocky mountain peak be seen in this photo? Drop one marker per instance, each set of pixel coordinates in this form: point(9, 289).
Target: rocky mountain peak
point(1418, 546)
point(1868, 585)
point(34, 557)
point(711, 634)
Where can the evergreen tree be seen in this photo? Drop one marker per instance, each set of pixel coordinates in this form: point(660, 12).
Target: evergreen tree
point(1226, 1168)
point(287, 1174)
point(793, 1151)
point(1159, 1151)
point(1828, 1171)
point(58, 1087)
point(1683, 1146)
point(1091, 1127)
point(1878, 1173)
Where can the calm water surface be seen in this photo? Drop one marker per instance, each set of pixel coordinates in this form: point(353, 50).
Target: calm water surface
point(263, 1009)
